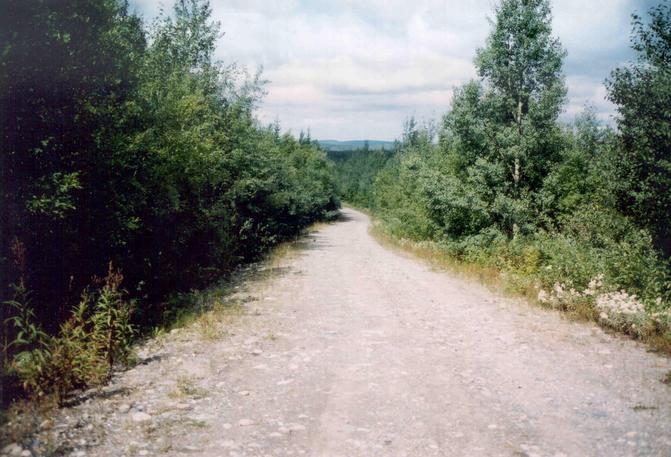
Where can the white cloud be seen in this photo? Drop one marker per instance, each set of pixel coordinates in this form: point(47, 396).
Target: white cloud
point(357, 68)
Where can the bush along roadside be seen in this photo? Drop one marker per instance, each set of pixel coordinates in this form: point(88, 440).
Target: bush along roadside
point(94, 339)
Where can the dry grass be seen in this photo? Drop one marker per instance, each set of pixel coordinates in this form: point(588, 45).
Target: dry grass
point(661, 344)
point(279, 254)
point(431, 253)
point(667, 378)
point(212, 324)
point(185, 387)
point(316, 227)
point(209, 326)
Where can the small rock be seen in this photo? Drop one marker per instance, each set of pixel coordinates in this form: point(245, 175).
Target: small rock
point(229, 444)
point(244, 393)
point(26, 453)
point(296, 428)
point(227, 426)
point(13, 449)
point(257, 352)
point(46, 424)
point(140, 416)
point(123, 408)
point(275, 435)
point(245, 422)
point(143, 452)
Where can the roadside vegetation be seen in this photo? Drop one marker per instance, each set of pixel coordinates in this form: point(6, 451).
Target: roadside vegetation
point(132, 169)
point(573, 216)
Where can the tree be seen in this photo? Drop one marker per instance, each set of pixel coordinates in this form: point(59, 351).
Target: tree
point(65, 71)
point(521, 65)
point(502, 131)
point(642, 92)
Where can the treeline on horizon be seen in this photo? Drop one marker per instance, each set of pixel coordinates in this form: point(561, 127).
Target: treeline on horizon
point(576, 216)
point(356, 170)
point(132, 167)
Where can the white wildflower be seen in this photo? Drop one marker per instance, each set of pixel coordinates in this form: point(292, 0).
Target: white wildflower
point(621, 310)
point(594, 285)
point(558, 290)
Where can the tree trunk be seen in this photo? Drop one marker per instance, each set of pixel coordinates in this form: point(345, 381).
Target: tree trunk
point(517, 172)
point(517, 167)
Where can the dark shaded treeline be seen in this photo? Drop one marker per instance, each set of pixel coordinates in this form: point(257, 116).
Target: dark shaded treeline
point(131, 145)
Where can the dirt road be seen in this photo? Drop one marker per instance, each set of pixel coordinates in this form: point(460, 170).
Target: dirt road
point(349, 349)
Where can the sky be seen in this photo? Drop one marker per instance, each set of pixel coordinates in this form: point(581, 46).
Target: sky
point(357, 69)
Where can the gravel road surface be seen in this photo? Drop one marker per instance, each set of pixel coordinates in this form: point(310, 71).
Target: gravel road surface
point(345, 348)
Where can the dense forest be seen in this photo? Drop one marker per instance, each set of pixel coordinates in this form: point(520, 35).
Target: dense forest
point(133, 167)
point(577, 215)
point(356, 170)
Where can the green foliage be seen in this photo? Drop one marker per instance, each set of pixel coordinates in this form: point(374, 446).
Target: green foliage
point(111, 330)
point(356, 171)
point(597, 241)
point(22, 319)
point(642, 92)
point(399, 189)
point(133, 146)
point(585, 174)
point(501, 133)
point(95, 336)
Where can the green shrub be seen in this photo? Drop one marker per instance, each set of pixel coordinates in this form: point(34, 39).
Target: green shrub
point(597, 241)
point(83, 353)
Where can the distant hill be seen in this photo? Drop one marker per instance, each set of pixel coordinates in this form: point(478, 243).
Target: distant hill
point(335, 145)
